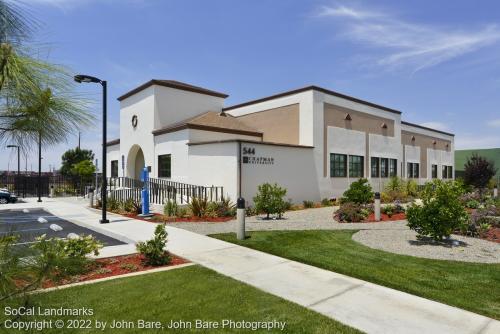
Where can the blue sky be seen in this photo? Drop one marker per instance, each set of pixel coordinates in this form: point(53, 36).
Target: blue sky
point(436, 61)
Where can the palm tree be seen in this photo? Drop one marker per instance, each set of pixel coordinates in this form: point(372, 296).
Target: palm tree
point(36, 98)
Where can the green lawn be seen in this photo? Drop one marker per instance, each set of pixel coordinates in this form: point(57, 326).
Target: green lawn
point(188, 294)
point(474, 287)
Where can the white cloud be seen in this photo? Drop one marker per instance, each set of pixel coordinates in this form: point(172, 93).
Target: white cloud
point(401, 43)
point(494, 123)
point(436, 126)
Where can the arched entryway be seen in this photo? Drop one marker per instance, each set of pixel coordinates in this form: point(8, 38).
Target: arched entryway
point(135, 162)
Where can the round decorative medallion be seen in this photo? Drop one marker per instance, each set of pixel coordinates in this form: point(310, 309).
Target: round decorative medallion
point(134, 121)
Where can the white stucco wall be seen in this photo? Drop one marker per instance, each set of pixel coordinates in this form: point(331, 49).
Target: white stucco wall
point(113, 153)
point(174, 143)
point(293, 169)
point(142, 105)
point(215, 165)
point(174, 105)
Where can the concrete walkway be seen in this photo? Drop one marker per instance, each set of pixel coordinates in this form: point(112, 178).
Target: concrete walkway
point(366, 306)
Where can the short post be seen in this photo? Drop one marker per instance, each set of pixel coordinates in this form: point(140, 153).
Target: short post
point(377, 206)
point(495, 192)
point(91, 197)
point(52, 191)
point(240, 215)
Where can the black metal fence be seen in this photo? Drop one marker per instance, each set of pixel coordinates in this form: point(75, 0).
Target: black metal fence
point(27, 185)
point(120, 188)
point(161, 190)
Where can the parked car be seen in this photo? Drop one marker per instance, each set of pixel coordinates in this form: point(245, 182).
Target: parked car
point(7, 197)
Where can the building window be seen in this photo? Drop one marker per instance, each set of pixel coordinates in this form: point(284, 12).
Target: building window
point(384, 167)
point(393, 167)
point(413, 170)
point(114, 168)
point(338, 165)
point(375, 166)
point(434, 171)
point(356, 166)
point(164, 165)
point(447, 172)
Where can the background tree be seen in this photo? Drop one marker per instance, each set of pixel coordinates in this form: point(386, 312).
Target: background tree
point(478, 171)
point(85, 169)
point(72, 157)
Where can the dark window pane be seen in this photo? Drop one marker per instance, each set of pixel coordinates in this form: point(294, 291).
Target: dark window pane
point(338, 165)
point(164, 165)
point(356, 166)
point(114, 168)
point(393, 167)
point(384, 167)
point(434, 171)
point(375, 167)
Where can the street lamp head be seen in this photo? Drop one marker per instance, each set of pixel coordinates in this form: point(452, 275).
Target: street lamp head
point(12, 146)
point(86, 78)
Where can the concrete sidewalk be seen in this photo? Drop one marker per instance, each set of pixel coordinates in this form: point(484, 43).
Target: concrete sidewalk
point(366, 306)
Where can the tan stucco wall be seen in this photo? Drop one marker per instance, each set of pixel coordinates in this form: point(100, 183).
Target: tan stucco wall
point(334, 116)
point(424, 142)
point(370, 124)
point(280, 125)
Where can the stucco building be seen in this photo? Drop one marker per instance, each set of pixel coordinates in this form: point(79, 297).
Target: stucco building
point(311, 140)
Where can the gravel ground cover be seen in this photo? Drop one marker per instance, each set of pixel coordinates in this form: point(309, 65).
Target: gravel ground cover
point(458, 248)
point(309, 219)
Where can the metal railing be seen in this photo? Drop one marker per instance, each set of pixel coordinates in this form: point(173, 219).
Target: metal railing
point(161, 190)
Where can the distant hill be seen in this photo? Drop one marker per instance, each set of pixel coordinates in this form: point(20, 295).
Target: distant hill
point(490, 153)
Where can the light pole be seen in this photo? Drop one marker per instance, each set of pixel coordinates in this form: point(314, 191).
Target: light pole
point(89, 79)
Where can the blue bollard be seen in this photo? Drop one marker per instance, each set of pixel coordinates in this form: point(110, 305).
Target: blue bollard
point(145, 193)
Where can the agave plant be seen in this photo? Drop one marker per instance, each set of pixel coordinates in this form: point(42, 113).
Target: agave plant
point(198, 206)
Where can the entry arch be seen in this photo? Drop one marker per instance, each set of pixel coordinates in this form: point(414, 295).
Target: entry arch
point(135, 162)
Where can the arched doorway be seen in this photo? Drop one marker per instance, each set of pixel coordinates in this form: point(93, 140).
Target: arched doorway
point(135, 162)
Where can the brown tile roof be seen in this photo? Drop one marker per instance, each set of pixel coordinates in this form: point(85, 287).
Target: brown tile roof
point(212, 121)
point(172, 84)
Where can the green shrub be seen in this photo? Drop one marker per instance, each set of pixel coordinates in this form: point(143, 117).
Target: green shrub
point(326, 202)
point(212, 210)
point(154, 249)
point(182, 211)
point(81, 247)
point(226, 208)
point(129, 267)
point(389, 210)
point(441, 211)
point(308, 204)
point(359, 192)
point(412, 188)
point(472, 204)
point(198, 206)
point(113, 204)
point(67, 256)
point(351, 212)
point(270, 199)
point(170, 208)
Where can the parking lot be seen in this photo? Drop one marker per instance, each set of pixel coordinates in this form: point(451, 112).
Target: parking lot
point(30, 223)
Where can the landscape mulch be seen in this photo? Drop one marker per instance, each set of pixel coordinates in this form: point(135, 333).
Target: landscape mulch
point(114, 266)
